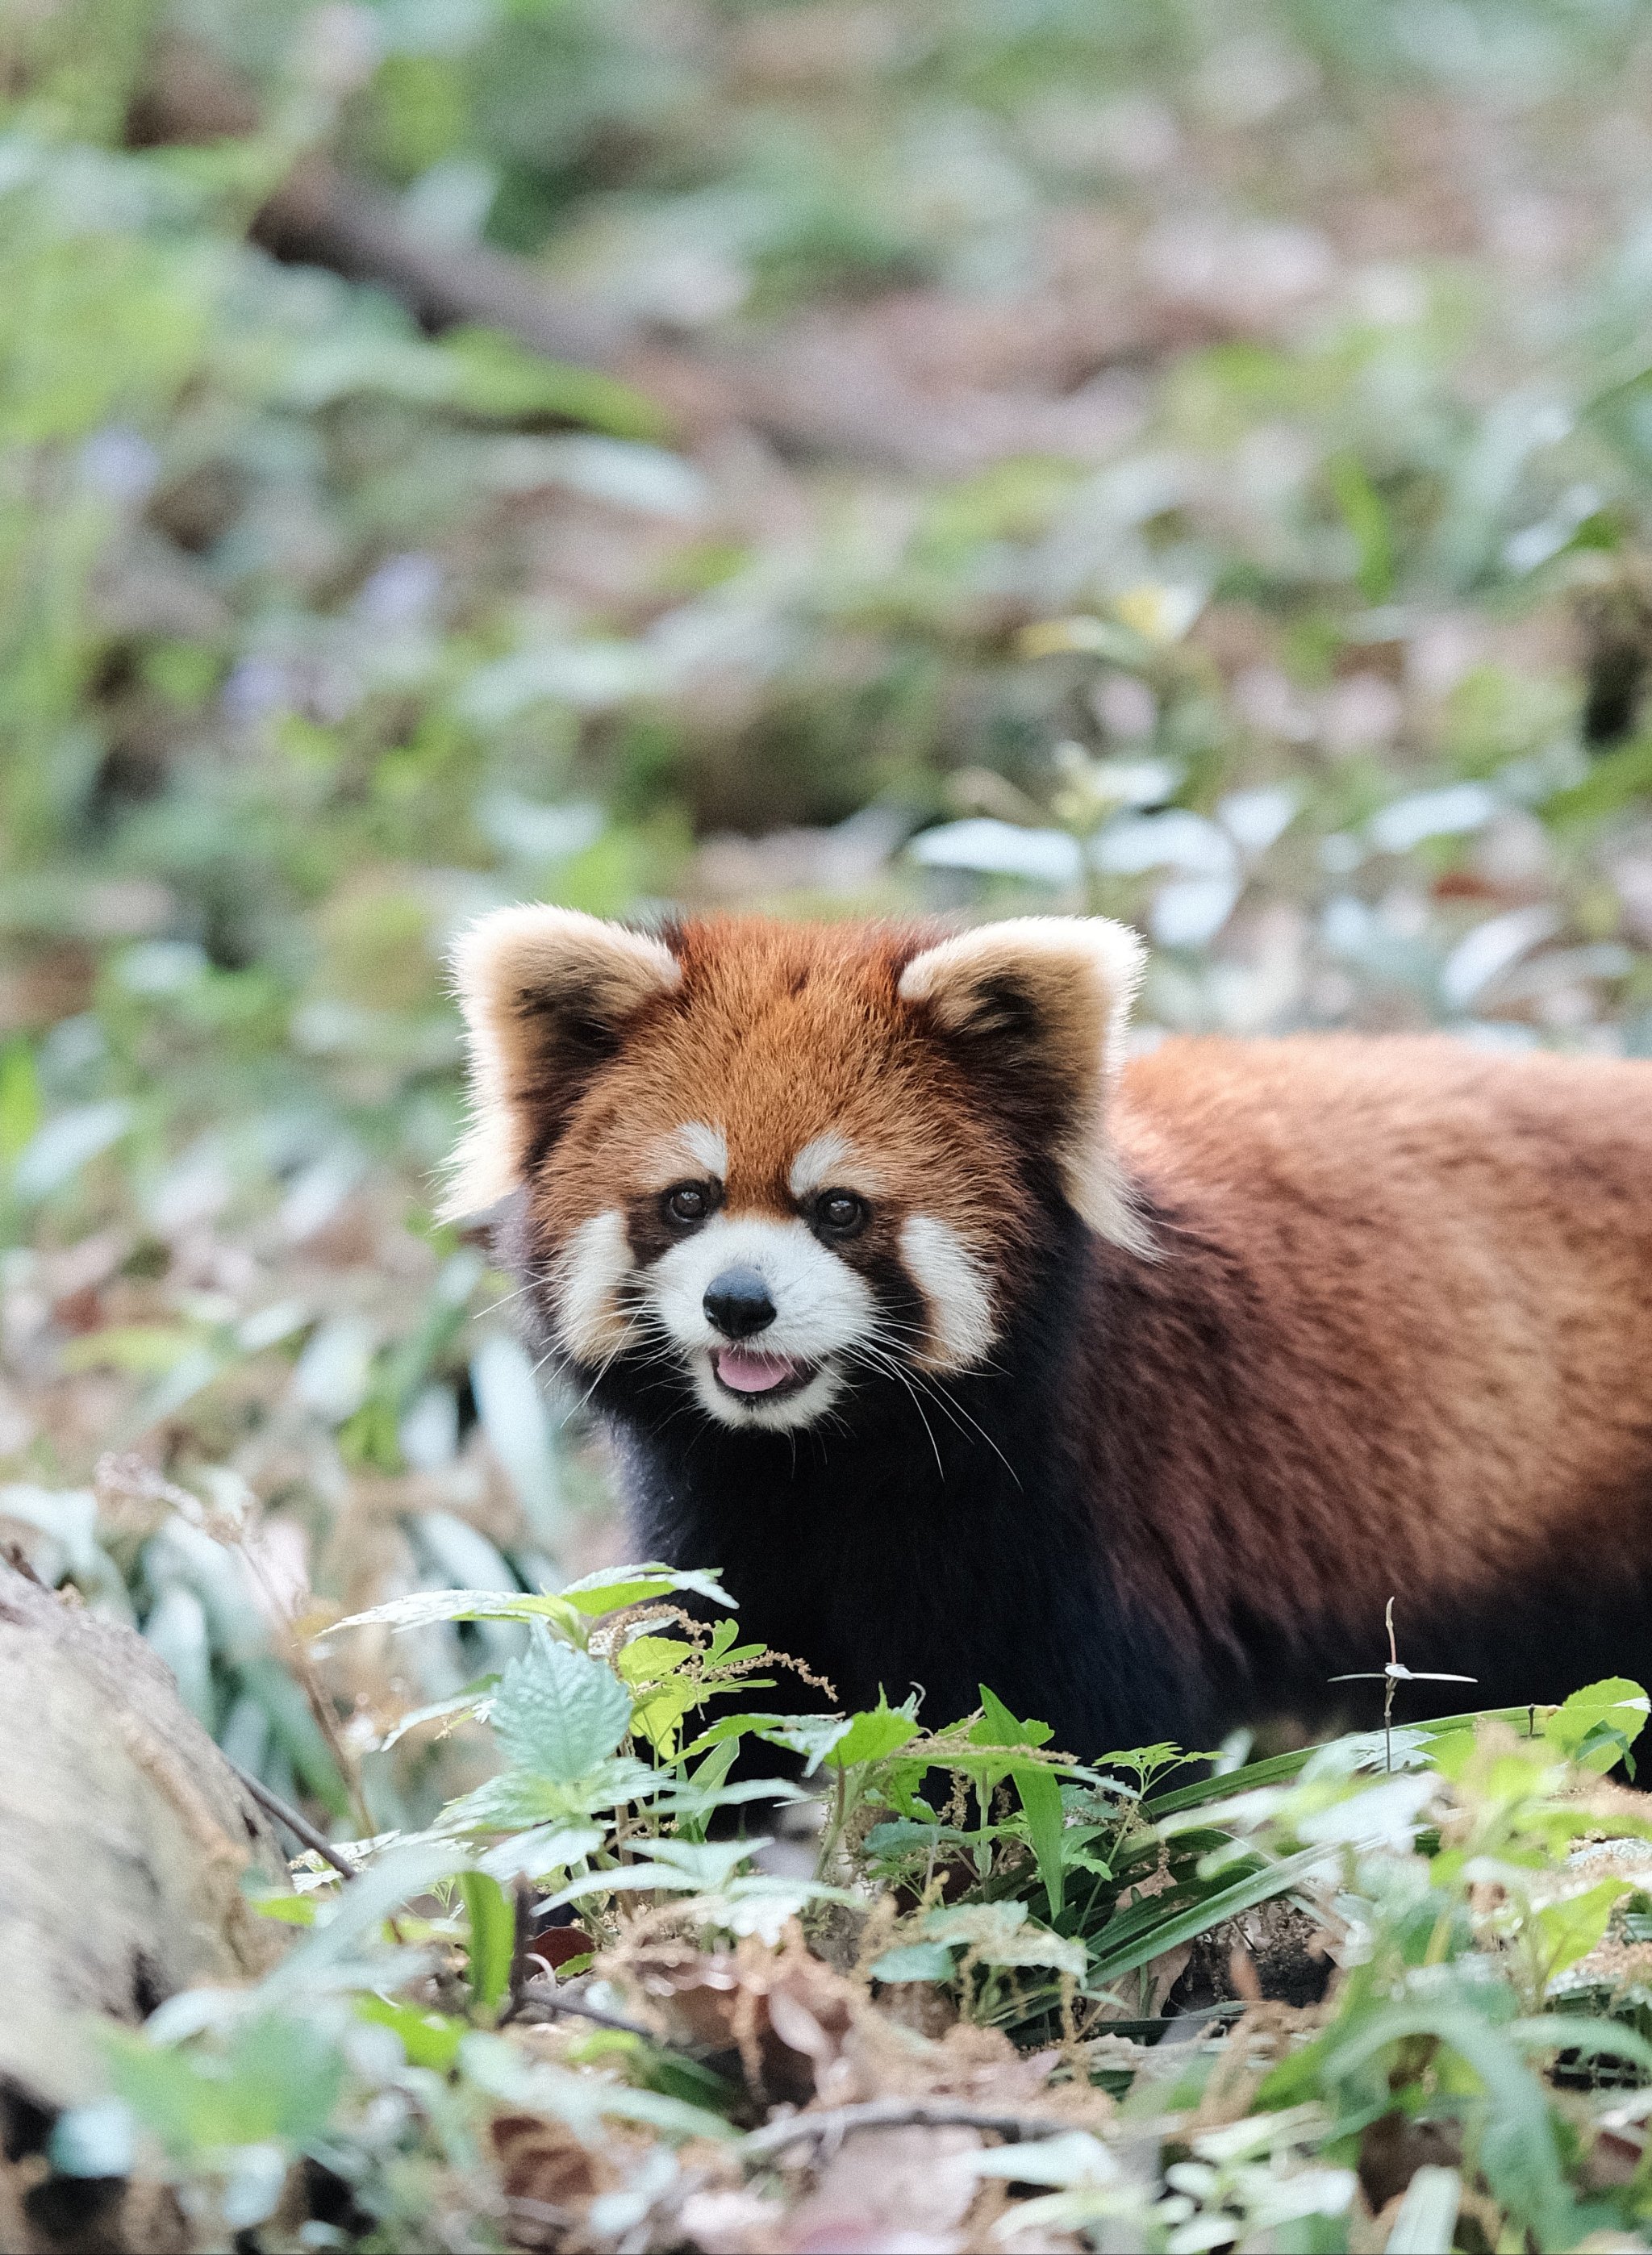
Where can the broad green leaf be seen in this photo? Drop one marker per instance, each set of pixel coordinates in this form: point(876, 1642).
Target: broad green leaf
point(474, 1701)
point(1567, 1931)
point(906, 1835)
point(144, 1349)
point(1597, 1725)
point(1591, 2037)
point(916, 1961)
point(813, 1735)
point(558, 1713)
point(544, 1849)
point(677, 1866)
point(492, 1937)
point(422, 1608)
point(1518, 2148)
point(618, 1586)
point(516, 1800)
point(871, 1735)
point(648, 1659)
point(998, 1727)
point(1003, 1933)
point(568, 1609)
point(656, 1661)
point(429, 2039)
point(357, 1917)
point(1616, 779)
point(279, 2078)
point(286, 1910)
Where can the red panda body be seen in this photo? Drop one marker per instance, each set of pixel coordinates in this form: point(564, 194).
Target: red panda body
point(1135, 1394)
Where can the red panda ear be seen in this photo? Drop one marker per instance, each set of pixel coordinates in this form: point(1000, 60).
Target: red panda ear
point(546, 993)
point(1038, 1007)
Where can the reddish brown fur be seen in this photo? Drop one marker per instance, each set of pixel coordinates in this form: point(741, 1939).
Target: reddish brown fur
point(1394, 1335)
point(1432, 1269)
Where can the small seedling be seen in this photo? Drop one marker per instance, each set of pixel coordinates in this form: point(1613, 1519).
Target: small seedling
point(1391, 1677)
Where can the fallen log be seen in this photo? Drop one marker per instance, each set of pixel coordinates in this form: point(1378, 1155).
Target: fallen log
point(125, 1838)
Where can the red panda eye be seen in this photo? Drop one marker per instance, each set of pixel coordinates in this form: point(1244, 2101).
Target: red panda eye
point(841, 1212)
point(687, 1202)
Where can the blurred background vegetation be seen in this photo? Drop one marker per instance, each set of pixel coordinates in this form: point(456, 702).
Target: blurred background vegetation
point(1190, 461)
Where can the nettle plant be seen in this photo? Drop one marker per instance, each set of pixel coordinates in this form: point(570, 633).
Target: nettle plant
point(1469, 1877)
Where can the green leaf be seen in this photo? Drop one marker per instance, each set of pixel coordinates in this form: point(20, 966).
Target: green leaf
point(1040, 1795)
point(813, 1735)
point(423, 1608)
point(542, 1850)
point(1518, 2149)
point(286, 1910)
point(1583, 2032)
point(998, 1727)
point(618, 1586)
point(915, 1961)
point(354, 1926)
point(678, 1866)
point(1153, 1936)
point(493, 1938)
point(1003, 1933)
point(1597, 1725)
point(1616, 779)
point(872, 1735)
point(558, 1713)
point(1567, 1931)
point(475, 1701)
point(279, 2079)
point(428, 2038)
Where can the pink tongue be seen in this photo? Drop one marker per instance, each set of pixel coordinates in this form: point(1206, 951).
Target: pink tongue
point(752, 1374)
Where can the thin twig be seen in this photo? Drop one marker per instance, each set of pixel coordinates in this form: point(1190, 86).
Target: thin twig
point(540, 1995)
point(300, 1827)
point(894, 2114)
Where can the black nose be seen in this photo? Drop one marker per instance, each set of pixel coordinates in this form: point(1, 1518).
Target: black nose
point(737, 1302)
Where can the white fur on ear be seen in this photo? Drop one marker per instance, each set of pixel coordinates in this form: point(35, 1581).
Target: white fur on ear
point(530, 980)
point(1075, 976)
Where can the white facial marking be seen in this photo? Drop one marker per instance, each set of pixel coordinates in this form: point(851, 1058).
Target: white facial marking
point(953, 1284)
point(699, 1147)
point(832, 1161)
point(822, 1308)
point(817, 1164)
point(592, 1265)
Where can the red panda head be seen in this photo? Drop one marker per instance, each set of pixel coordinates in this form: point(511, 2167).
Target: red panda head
point(777, 1161)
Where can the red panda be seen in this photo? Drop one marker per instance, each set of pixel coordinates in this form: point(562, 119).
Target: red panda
point(973, 1354)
